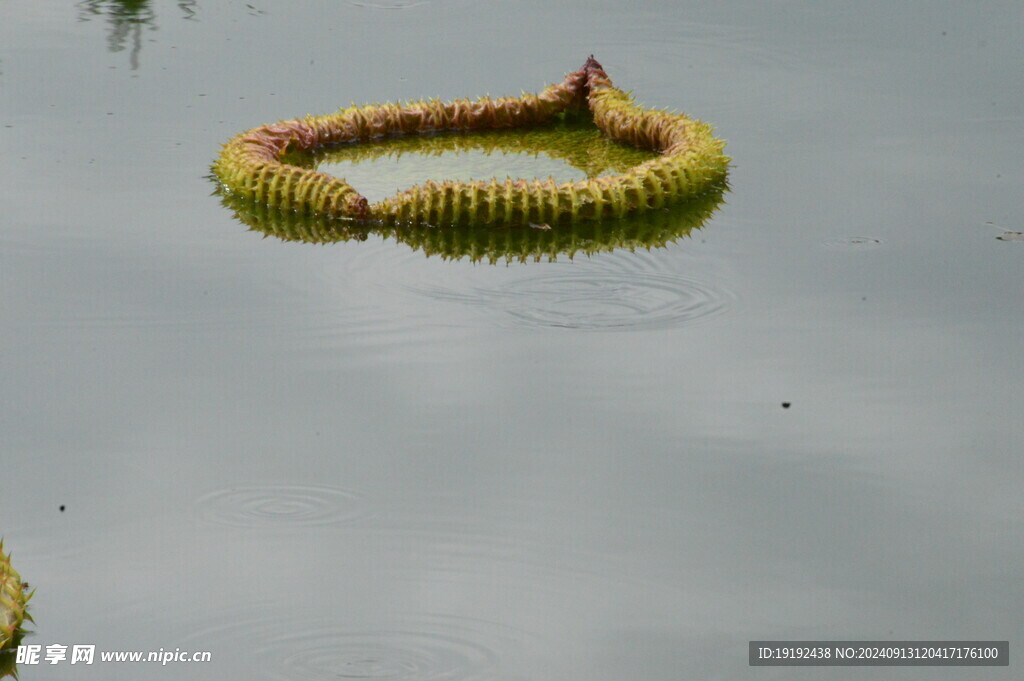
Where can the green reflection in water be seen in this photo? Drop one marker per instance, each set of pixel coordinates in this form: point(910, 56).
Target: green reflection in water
point(128, 19)
point(9, 655)
point(577, 145)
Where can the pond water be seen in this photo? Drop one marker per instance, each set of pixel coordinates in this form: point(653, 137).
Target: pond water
point(798, 418)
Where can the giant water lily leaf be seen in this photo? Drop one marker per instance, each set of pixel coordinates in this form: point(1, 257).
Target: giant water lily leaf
point(687, 160)
point(578, 144)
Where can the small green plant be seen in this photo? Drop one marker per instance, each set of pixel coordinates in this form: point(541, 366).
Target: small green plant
point(14, 599)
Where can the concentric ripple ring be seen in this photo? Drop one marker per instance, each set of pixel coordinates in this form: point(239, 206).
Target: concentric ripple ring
point(262, 506)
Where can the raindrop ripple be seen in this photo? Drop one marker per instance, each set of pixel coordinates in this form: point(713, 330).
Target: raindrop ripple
point(263, 506)
point(414, 647)
point(618, 291)
point(387, 655)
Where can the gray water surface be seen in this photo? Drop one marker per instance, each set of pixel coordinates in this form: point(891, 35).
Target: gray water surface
point(354, 461)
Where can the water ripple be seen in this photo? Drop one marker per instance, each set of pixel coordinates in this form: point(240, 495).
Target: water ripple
point(263, 506)
point(387, 654)
point(627, 291)
point(419, 647)
point(387, 4)
point(853, 243)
